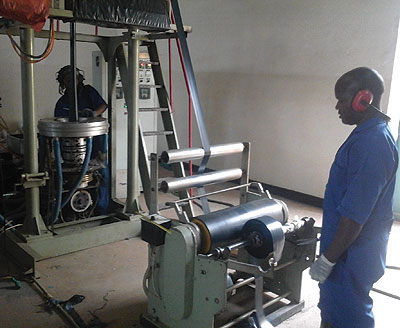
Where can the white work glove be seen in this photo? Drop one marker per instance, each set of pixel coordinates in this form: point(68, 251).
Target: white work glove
point(321, 269)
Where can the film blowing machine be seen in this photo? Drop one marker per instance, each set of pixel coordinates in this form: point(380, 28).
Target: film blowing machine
point(66, 151)
point(240, 266)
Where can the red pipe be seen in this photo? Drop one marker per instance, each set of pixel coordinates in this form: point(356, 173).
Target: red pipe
point(190, 140)
point(96, 30)
point(58, 25)
point(171, 95)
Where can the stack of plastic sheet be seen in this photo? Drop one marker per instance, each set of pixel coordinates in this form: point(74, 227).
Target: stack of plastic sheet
point(143, 14)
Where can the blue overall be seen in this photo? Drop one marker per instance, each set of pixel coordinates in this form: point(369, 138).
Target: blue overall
point(360, 187)
point(88, 97)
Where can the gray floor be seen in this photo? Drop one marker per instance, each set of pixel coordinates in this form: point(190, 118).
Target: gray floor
point(110, 277)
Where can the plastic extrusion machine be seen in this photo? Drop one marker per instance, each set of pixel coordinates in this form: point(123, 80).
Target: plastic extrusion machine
point(242, 264)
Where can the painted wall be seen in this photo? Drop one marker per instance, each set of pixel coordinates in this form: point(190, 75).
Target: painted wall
point(266, 72)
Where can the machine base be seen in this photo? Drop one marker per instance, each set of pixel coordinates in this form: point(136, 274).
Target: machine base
point(71, 237)
point(275, 318)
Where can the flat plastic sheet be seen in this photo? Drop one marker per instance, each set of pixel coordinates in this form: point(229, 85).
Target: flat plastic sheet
point(145, 14)
point(32, 12)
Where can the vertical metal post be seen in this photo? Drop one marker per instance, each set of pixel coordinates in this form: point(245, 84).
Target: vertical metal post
point(154, 184)
point(33, 223)
point(245, 169)
point(112, 120)
point(132, 204)
point(73, 95)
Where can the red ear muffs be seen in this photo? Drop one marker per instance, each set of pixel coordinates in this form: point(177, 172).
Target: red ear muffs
point(361, 100)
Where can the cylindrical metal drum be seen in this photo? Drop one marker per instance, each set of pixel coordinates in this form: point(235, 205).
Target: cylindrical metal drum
point(73, 151)
point(220, 228)
point(61, 127)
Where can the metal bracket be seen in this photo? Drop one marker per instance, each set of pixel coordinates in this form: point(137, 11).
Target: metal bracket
point(33, 180)
point(183, 218)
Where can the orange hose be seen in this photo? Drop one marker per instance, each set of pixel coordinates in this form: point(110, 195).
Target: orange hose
point(46, 54)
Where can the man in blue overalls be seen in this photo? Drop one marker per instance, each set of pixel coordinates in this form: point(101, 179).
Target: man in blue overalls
point(357, 212)
point(90, 104)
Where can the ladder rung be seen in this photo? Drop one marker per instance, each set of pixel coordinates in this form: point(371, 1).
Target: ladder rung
point(155, 86)
point(149, 62)
point(154, 109)
point(157, 133)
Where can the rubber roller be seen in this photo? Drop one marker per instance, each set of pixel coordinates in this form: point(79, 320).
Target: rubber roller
point(220, 228)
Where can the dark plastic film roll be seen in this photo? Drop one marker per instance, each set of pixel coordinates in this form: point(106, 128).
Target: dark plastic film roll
point(220, 228)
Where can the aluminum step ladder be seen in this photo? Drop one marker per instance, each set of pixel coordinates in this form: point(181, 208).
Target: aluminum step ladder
point(168, 129)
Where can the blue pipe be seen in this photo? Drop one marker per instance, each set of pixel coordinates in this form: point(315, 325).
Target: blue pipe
point(4, 221)
point(85, 166)
point(57, 155)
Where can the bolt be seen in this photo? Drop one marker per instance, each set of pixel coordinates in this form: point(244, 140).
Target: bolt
point(203, 272)
point(216, 301)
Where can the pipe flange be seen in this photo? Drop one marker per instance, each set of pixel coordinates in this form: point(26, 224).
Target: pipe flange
point(85, 127)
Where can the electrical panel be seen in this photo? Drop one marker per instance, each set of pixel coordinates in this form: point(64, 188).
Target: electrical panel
point(148, 120)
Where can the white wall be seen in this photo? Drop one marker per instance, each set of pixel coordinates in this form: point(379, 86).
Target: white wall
point(266, 72)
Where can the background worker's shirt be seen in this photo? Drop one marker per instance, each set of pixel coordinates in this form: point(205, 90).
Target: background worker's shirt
point(360, 187)
point(88, 97)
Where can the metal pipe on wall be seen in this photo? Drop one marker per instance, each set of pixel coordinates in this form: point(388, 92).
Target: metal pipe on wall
point(195, 181)
point(131, 205)
point(33, 223)
point(181, 155)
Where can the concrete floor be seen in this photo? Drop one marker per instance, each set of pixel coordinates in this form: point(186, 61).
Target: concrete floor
point(110, 277)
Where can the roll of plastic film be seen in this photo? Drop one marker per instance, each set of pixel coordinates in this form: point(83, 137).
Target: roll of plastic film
point(270, 235)
point(220, 228)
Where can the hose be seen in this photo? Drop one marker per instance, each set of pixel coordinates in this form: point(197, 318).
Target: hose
point(57, 206)
point(85, 166)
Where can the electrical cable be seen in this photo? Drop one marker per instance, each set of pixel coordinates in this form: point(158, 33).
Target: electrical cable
point(10, 151)
point(37, 58)
point(25, 53)
point(4, 125)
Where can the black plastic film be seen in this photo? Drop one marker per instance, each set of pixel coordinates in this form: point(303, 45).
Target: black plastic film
point(144, 14)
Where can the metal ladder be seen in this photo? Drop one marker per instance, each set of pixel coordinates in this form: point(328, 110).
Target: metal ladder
point(168, 131)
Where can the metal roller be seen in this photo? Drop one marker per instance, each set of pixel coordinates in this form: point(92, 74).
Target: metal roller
point(220, 228)
point(176, 184)
point(180, 155)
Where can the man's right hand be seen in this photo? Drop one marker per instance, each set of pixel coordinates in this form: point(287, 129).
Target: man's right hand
point(86, 113)
point(321, 269)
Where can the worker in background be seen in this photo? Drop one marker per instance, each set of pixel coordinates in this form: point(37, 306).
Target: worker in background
point(357, 212)
point(90, 104)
